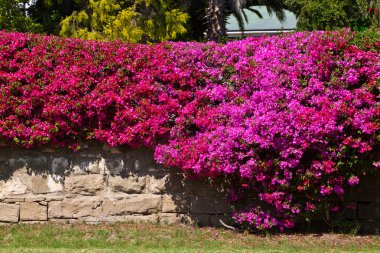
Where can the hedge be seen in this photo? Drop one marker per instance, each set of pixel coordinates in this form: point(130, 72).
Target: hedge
point(292, 121)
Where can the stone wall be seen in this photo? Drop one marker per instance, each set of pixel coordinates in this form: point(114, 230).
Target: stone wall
point(100, 184)
point(119, 184)
point(365, 207)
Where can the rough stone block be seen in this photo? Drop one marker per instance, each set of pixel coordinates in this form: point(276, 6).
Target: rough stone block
point(113, 166)
point(45, 184)
point(56, 211)
point(18, 184)
point(2, 184)
point(137, 204)
point(32, 211)
point(17, 164)
point(59, 165)
point(13, 199)
point(39, 184)
point(55, 183)
point(113, 207)
point(152, 218)
point(142, 160)
point(175, 218)
point(89, 155)
point(175, 204)
point(175, 183)
point(9, 212)
point(157, 184)
point(75, 208)
point(144, 204)
point(35, 163)
point(200, 219)
point(35, 198)
point(369, 211)
point(199, 188)
point(112, 150)
point(39, 163)
point(84, 185)
point(4, 166)
point(130, 184)
point(351, 212)
point(86, 165)
point(209, 205)
point(369, 227)
point(21, 182)
point(368, 189)
point(54, 197)
point(215, 220)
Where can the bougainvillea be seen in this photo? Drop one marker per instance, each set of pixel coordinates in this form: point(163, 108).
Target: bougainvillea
point(292, 121)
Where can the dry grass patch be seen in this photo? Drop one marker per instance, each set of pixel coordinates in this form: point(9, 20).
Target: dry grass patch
point(126, 237)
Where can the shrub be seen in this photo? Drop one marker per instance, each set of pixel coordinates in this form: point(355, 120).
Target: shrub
point(293, 121)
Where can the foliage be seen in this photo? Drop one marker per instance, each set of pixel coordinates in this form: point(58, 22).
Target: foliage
point(127, 20)
point(328, 14)
point(13, 17)
point(131, 21)
point(371, 9)
point(293, 121)
point(49, 13)
point(368, 39)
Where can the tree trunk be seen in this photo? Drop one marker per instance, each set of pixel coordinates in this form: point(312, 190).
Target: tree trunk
point(216, 19)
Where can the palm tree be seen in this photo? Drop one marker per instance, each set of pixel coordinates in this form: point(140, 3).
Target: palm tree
point(216, 19)
point(218, 10)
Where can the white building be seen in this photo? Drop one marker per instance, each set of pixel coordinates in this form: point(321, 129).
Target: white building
point(256, 26)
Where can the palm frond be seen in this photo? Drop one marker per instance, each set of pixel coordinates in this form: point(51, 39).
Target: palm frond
point(258, 13)
point(245, 16)
point(275, 7)
point(240, 20)
point(279, 12)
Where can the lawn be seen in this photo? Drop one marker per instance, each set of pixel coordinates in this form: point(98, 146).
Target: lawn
point(123, 237)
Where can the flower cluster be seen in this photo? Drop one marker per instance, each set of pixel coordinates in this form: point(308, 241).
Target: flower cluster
point(292, 121)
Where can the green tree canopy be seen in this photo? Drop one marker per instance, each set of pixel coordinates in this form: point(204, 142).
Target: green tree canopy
point(131, 21)
point(328, 14)
point(158, 20)
point(13, 17)
point(49, 13)
point(371, 9)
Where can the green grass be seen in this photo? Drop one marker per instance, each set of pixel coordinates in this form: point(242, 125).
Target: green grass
point(123, 237)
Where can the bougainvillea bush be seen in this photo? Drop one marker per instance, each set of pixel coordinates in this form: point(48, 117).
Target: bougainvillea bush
point(292, 121)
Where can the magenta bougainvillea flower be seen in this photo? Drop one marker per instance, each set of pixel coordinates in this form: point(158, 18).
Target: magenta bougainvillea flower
point(293, 121)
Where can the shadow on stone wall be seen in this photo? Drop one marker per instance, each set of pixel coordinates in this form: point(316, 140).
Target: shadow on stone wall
point(361, 216)
point(100, 183)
